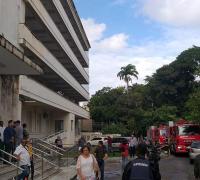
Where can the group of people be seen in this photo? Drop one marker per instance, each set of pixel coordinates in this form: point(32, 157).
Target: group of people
point(91, 166)
point(14, 140)
point(145, 165)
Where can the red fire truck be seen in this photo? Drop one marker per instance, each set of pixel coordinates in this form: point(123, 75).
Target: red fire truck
point(158, 134)
point(182, 134)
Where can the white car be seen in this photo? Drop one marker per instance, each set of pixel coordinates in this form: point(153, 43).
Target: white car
point(194, 150)
point(116, 141)
point(95, 141)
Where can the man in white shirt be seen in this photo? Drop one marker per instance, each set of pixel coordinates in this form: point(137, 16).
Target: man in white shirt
point(1, 138)
point(23, 157)
point(132, 146)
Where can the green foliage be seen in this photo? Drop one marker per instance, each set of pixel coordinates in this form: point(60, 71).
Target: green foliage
point(170, 93)
point(115, 129)
point(127, 72)
point(193, 105)
point(172, 84)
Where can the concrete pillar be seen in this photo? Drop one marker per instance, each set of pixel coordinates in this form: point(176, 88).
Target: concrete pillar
point(9, 98)
point(69, 126)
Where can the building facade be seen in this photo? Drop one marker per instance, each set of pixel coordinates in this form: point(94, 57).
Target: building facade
point(45, 77)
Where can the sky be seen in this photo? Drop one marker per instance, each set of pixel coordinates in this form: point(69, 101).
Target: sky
point(145, 33)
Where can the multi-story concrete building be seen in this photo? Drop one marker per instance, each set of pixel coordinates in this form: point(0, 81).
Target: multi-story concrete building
point(43, 66)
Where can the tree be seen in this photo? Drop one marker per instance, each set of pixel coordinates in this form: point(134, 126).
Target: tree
point(172, 84)
point(126, 73)
point(193, 106)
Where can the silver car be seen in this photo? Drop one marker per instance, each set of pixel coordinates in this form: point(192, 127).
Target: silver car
point(194, 150)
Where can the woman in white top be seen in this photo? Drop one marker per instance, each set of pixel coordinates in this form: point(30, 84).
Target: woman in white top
point(86, 165)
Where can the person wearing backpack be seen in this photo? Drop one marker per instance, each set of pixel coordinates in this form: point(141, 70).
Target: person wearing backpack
point(140, 167)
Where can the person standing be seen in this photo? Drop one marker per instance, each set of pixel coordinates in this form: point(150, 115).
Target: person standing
point(9, 135)
point(81, 143)
point(132, 146)
point(109, 144)
point(86, 166)
point(101, 155)
point(58, 142)
point(1, 138)
point(124, 148)
point(19, 132)
point(197, 167)
point(25, 131)
point(140, 167)
point(29, 147)
point(23, 157)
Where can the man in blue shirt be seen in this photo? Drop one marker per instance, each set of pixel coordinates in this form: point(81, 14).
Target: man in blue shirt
point(9, 134)
point(140, 167)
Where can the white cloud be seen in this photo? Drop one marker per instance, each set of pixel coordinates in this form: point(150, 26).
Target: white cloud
point(179, 13)
point(114, 43)
point(93, 30)
point(109, 54)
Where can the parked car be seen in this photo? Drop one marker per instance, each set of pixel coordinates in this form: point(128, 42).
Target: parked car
point(116, 141)
point(194, 150)
point(94, 141)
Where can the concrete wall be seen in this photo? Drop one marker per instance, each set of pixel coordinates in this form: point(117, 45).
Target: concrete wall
point(38, 120)
point(9, 98)
point(86, 125)
point(11, 14)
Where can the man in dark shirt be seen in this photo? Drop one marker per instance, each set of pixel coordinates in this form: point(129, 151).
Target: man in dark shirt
point(9, 134)
point(197, 167)
point(138, 168)
point(101, 155)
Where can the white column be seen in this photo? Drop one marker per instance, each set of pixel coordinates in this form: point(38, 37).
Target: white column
point(69, 126)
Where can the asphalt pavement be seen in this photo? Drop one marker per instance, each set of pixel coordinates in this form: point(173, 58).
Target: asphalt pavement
point(171, 168)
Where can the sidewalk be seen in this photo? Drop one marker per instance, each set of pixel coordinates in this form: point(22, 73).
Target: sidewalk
point(68, 173)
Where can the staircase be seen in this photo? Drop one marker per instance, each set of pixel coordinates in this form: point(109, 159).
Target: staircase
point(43, 169)
point(49, 161)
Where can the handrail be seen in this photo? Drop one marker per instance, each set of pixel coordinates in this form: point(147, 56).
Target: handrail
point(51, 135)
point(8, 154)
point(50, 149)
point(40, 151)
point(14, 158)
point(45, 159)
point(11, 164)
point(52, 145)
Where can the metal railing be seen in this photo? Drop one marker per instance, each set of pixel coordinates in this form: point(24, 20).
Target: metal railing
point(42, 161)
point(12, 156)
point(12, 164)
point(50, 149)
point(52, 145)
point(41, 156)
point(71, 157)
point(52, 135)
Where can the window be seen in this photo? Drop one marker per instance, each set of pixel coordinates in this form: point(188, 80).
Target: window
point(71, 125)
point(196, 145)
point(189, 130)
point(59, 125)
point(96, 139)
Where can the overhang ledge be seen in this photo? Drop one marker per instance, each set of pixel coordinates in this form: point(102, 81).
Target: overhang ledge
point(14, 62)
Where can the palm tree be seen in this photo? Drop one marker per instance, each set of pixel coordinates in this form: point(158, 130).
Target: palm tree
point(126, 73)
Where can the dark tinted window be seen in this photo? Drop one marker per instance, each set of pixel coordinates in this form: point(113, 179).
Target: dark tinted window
point(189, 130)
point(96, 139)
point(196, 145)
point(118, 140)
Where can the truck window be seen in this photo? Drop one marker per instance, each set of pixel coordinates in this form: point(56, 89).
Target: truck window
point(189, 130)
